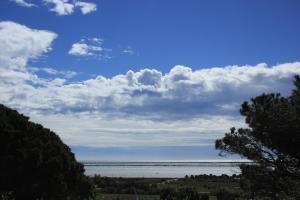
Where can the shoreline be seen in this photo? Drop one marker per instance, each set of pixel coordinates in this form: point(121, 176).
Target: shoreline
point(162, 163)
point(162, 169)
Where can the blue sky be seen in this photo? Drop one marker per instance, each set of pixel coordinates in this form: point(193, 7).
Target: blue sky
point(112, 75)
point(167, 33)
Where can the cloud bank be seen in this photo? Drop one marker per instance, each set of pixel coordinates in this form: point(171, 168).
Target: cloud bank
point(179, 94)
point(137, 108)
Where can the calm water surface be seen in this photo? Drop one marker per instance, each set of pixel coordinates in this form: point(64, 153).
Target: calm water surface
point(160, 169)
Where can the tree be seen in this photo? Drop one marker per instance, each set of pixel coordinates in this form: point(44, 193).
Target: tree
point(36, 164)
point(272, 141)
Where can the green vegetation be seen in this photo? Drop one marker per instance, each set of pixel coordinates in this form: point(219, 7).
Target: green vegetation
point(272, 141)
point(36, 164)
point(201, 187)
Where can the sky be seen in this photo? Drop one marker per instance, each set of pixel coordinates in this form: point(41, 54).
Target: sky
point(142, 80)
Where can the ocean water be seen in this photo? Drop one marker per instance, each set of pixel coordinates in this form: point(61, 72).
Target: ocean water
point(160, 169)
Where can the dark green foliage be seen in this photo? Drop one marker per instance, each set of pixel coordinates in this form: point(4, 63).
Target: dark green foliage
point(167, 194)
point(36, 164)
point(272, 141)
point(225, 195)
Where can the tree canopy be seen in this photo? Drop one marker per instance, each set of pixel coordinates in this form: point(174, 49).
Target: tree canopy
point(36, 164)
point(272, 141)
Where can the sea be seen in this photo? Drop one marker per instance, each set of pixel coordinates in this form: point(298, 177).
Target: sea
point(160, 169)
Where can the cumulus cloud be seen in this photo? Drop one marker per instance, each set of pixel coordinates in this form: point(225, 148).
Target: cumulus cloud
point(66, 7)
point(81, 49)
point(24, 3)
point(90, 47)
point(19, 43)
point(61, 7)
point(86, 7)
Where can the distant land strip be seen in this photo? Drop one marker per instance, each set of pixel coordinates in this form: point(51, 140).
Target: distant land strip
point(164, 163)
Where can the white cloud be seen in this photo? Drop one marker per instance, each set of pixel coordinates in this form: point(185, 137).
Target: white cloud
point(19, 43)
point(24, 3)
point(86, 7)
point(92, 47)
point(80, 49)
point(61, 7)
point(66, 7)
point(147, 107)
